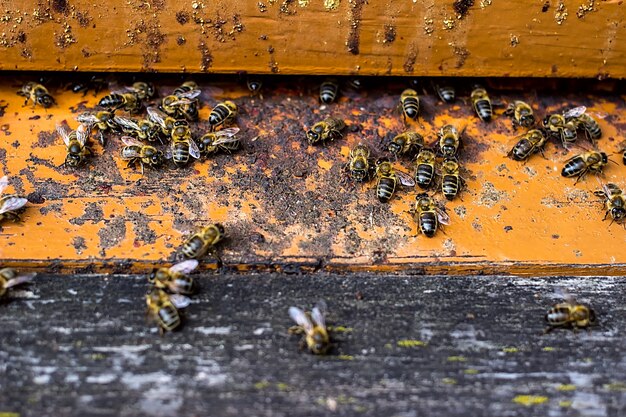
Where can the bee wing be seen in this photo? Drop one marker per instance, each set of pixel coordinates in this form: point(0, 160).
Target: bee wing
point(180, 301)
point(180, 101)
point(300, 318)
point(12, 203)
point(82, 133)
point(228, 132)
point(130, 141)
point(156, 116)
point(4, 182)
point(64, 131)
point(129, 154)
point(442, 216)
point(575, 112)
point(20, 279)
point(318, 314)
point(126, 123)
point(168, 153)
point(228, 139)
point(405, 179)
point(190, 94)
point(193, 149)
point(87, 118)
point(185, 267)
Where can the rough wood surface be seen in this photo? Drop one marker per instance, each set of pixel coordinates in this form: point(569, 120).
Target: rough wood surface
point(564, 38)
point(80, 346)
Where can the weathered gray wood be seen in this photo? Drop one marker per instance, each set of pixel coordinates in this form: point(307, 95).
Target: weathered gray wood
point(80, 346)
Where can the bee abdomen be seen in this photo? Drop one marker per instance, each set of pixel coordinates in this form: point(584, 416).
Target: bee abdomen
point(385, 189)
point(447, 94)
point(483, 110)
point(328, 92)
point(219, 114)
point(557, 316)
point(450, 186)
point(424, 175)
point(574, 167)
point(411, 107)
point(521, 150)
point(428, 223)
point(180, 153)
point(193, 248)
point(112, 100)
point(168, 315)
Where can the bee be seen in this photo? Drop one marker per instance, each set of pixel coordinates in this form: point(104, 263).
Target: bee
point(578, 166)
point(529, 143)
point(203, 241)
point(185, 88)
point(102, 120)
point(359, 164)
point(388, 179)
point(521, 113)
point(425, 168)
point(428, 216)
point(328, 91)
point(127, 100)
point(182, 148)
point(143, 129)
point(313, 327)
point(557, 125)
point(451, 181)
point(328, 129)
point(585, 122)
point(223, 113)
point(406, 143)
point(143, 90)
point(222, 140)
point(75, 141)
point(37, 93)
point(449, 141)
point(95, 83)
point(445, 92)
point(165, 122)
point(570, 314)
point(410, 104)
point(163, 308)
point(183, 103)
point(136, 152)
point(10, 278)
point(254, 85)
point(9, 204)
point(175, 279)
point(614, 201)
point(481, 103)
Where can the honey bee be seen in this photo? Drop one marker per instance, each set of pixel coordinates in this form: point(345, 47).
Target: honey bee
point(410, 104)
point(127, 100)
point(481, 103)
point(182, 149)
point(557, 125)
point(428, 216)
point(570, 315)
point(328, 91)
point(183, 103)
point(223, 113)
point(10, 278)
point(313, 327)
point(136, 152)
point(143, 129)
point(388, 179)
point(95, 83)
point(10, 204)
point(102, 120)
point(449, 141)
point(614, 201)
point(175, 279)
point(451, 181)
point(445, 92)
point(521, 113)
point(425, 168)
point(406, 143)
point(75, 141)
point(203, 241)
point(254, 85)
point(165, 122)
point(578, 166)
point(359, 164)
point(585, 122)
point(143, 90)
point(529, 143)
point(163, 308)
point(37, 93)
point(222, 140)
point(328, 129)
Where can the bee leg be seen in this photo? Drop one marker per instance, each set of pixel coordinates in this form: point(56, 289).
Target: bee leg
point(295, 330)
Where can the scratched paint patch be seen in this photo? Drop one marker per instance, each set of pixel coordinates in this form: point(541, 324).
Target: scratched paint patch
point(530, 400)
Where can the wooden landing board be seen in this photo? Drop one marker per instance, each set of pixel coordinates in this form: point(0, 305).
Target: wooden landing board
point(551, 38)
point(282, 201)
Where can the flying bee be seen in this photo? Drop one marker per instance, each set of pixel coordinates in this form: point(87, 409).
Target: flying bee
point(163, 308)
point(313, 328)
point(449, 141)
point(578, 166)
point(529, 143)
point(203, 241)
point(570, 315)
point(410, 104)
point(95, 83)
point(614, 201)
point(254, 84)
point(425, 168)
point(328, 129)
point(451, 181)
point(407, 143)
point(481, 103)
point(102, 120)
point(521, 113)
point(143, 129)
point(222, 140)
point(328, 91)
point(428, 215)
point(223, 113)
point(175, 278)
point(75, 142)
point(558, 126)
point(359, 163)
point(127, 100)
point(388, 179)
point(37, 93)
point(10, 204)
point(584, 121)
point(445, 92)
point(10, 278)
point(136, 152)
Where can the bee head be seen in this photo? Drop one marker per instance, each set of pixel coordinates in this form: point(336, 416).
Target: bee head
point(152, 276)
point(618, 213)
point(157, 158)
point(220, 228)
point(605, 157)
point(45, 100)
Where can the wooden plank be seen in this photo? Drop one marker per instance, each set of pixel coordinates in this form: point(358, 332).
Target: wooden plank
point(561, 38)
point(80, 345)
point(283, 202)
